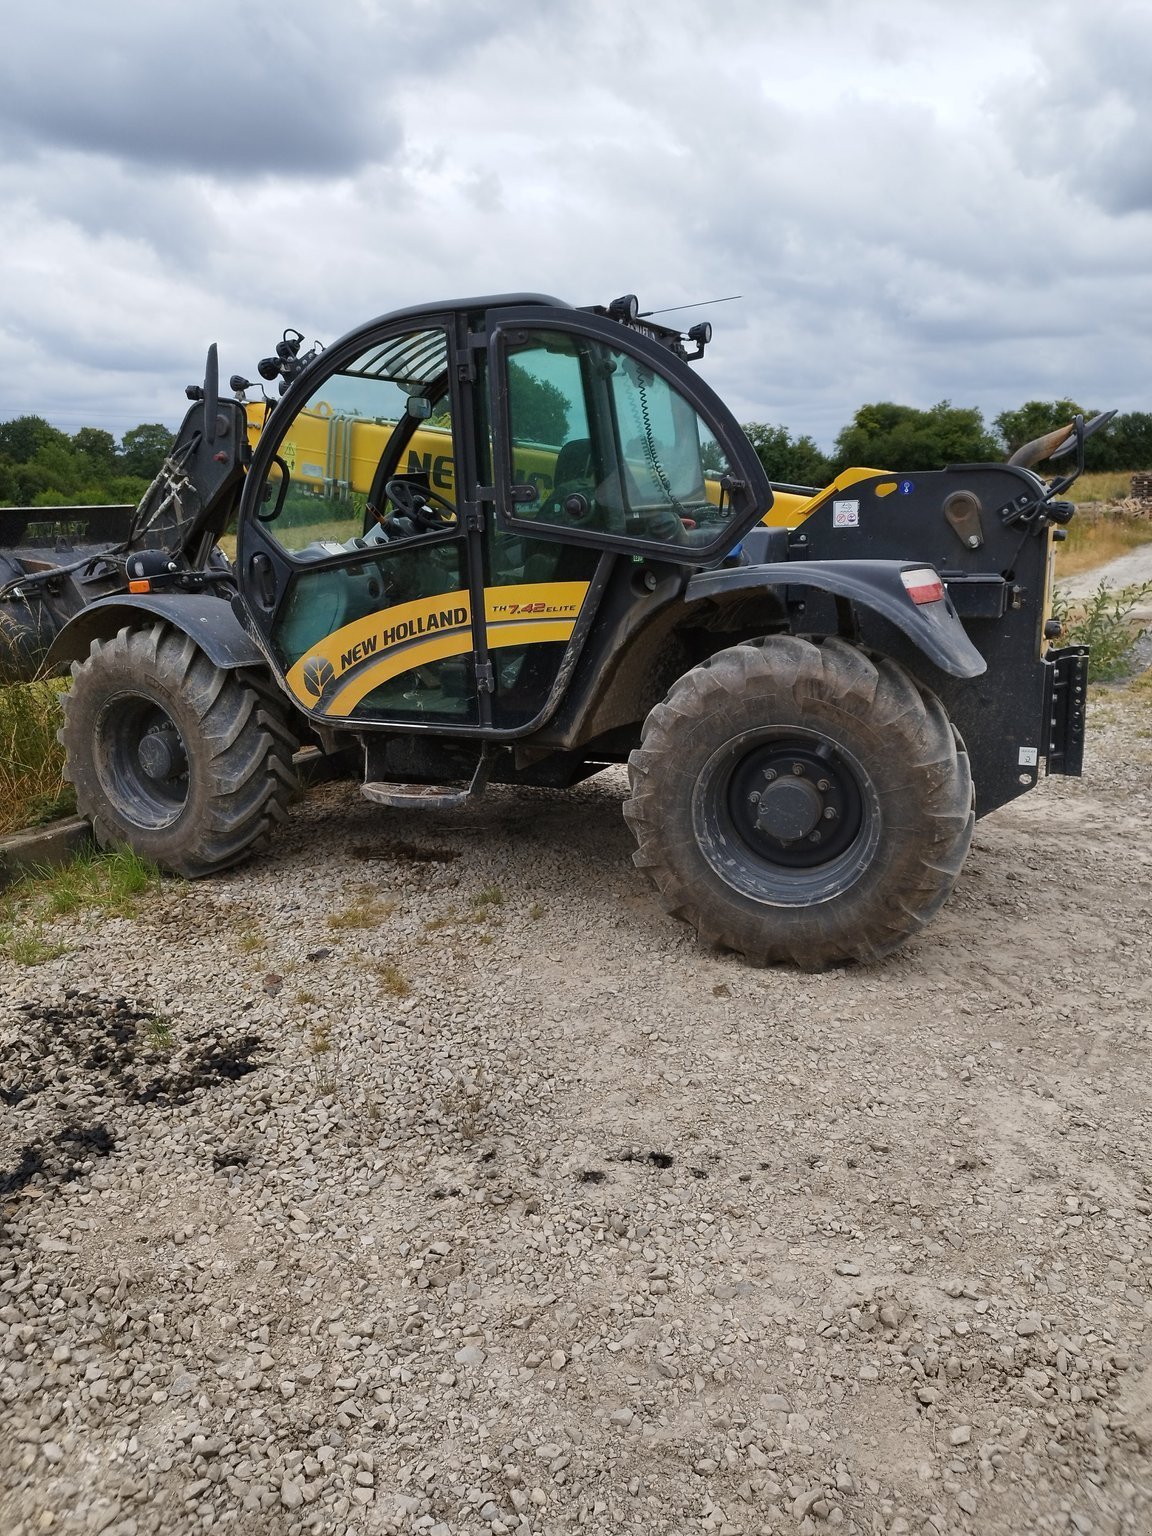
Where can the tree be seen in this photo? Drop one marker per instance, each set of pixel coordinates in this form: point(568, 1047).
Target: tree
point(788, 460)
point(539, 409)
point(22, 438)
point(889, 436)
point(1035, 418)
point(97, 448)
point(144, 448)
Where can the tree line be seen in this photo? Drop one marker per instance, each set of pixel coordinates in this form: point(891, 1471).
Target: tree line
point(42, 466)
point(889, 436)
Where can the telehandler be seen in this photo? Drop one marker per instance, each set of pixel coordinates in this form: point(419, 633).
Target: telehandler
point(545, 548)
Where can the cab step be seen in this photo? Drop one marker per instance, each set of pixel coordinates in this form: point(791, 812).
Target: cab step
point(429, 797)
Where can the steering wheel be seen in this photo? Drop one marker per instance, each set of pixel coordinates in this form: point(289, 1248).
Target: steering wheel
point(422, 505)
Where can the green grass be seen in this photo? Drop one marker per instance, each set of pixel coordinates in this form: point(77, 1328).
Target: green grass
point(110, 883)
point(32, 788)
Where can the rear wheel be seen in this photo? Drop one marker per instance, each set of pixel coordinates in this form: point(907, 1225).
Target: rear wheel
point(800, 802)
point(186, 763)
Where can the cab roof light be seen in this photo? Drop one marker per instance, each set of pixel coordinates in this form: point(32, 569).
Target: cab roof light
point(923, 585)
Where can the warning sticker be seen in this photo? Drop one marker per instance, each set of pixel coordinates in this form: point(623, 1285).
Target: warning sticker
point(1029, 757)
point(845, 514)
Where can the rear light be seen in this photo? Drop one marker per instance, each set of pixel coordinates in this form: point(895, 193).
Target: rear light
point(139, 586)
point(923, 585)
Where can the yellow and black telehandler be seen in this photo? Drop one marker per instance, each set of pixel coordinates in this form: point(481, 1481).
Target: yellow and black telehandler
point(503, 539)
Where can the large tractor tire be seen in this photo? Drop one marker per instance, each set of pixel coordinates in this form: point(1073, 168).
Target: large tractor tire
point(185, 763)
point(799, 802)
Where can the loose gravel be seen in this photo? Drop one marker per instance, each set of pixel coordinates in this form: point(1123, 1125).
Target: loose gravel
point(422, 1176)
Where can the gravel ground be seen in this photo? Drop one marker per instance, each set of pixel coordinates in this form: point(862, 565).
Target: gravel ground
point(423, 1177)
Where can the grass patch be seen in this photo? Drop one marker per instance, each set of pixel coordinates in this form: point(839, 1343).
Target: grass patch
point(32, 787)
point(392, 979)
point(1105, 623)
point(490, 896)
point(1097, 537)
point(250, 941)
point(27, 947)
point(535, 912)
point(158, 1035)
point(365, 910)
point(107, 882)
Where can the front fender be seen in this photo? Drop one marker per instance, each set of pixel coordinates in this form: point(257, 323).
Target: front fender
point(210, 621)
point(932, 627)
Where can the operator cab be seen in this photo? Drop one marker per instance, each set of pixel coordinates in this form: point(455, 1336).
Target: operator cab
point(433, 506)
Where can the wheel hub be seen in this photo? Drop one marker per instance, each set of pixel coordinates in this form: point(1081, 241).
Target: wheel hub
point(161, 754)
point(795, 802)
point(789, 809)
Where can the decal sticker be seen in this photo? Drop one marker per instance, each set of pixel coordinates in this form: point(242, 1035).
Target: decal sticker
point(348, 664)
point(886, 489)
point(1029, 756)
point(907, 487)
point(845, 514)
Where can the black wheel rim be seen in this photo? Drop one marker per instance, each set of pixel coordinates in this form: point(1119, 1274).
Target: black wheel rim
point(786, 816)
point(142, 761)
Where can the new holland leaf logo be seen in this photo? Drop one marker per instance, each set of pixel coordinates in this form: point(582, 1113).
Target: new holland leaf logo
point(318, 674)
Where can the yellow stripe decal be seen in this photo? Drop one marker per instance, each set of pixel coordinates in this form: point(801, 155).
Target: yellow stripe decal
point(348, 664)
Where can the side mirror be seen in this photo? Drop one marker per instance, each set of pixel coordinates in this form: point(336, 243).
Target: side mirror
point(418, 408)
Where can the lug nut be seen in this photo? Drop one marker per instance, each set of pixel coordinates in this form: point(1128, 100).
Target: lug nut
point(754, 797)
point(823, 786)
point(769, 774)
point(829, 813)
point(798, 768)
point(814, 837)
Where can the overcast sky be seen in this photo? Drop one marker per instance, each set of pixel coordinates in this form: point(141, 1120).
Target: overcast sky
point(916, 200)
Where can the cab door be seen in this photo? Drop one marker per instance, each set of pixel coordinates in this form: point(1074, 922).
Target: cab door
point(604, 443)
point(353, 557)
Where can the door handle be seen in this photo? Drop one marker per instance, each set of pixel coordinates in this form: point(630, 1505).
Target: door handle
point(263, 579)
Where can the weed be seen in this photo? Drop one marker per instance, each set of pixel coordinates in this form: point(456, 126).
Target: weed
point(365, 910)
point(250, 940)
point(445, 920)
point(490, 896)
point(28, 948)
point(158, 1034)
point(535, 912)
point(1105, 624)
point(325, 1059)
point(306, 999)
point(392, 979)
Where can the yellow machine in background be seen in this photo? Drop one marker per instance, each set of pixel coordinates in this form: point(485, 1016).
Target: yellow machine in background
point(335, 454)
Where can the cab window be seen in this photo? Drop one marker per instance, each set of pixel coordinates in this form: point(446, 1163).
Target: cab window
point(386, 410)
point(602, 443)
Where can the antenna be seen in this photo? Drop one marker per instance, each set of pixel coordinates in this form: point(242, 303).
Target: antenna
point(673, 308)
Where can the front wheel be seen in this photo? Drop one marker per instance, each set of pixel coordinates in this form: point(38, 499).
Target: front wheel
point(185, 763)
point(801, 802)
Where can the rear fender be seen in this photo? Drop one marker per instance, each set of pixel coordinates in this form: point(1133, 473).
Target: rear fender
point(933, 627)
point(210, 621)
